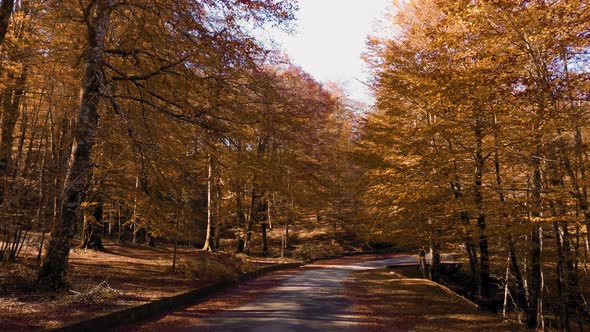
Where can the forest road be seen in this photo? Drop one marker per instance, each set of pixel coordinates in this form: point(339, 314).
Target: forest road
point(311, 299)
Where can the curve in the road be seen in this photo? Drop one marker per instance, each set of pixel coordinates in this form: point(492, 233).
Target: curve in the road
point(310, 300)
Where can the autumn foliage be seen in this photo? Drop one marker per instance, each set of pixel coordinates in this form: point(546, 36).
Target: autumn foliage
point(478, 145)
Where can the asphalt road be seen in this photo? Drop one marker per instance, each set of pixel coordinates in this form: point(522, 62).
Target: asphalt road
point(312, 299)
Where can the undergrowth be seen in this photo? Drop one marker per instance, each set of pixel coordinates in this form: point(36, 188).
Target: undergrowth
point(310, 251)
point(212, 267)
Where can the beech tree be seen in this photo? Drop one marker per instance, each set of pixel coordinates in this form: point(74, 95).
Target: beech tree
point(175, 37)
point(473, 131)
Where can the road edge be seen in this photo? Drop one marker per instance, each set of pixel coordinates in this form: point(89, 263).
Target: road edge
point(134, 314)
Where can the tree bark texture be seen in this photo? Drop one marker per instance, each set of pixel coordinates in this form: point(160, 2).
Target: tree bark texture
point(6, 9)
point(52, 272)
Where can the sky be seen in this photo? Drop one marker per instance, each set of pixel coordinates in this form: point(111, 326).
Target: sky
point(329, 39)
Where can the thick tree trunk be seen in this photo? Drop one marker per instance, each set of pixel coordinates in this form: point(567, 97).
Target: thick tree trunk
point(10, 107)
point(6, 9)
point(52, 272)
point(91, 234)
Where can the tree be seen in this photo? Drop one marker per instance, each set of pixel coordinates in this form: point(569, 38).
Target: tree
point(171, 34)
point(473, 97)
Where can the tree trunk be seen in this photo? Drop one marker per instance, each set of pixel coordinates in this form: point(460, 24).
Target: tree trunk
point(469, 245)
point(6, 9)
point(435, 262)
point(176, 222)
point(422, 258)
point(561, 281)
point(52, 272)
point(134, 212)
point(535, 284)
point(90, 234)
point(241, 219)
point(290, 218)
point(254, 198)
point(217, 221)
point(10, 106)
point(119, 222)
point(264, 226)
point(521, 296)
point(484, 264)
point(209, 235)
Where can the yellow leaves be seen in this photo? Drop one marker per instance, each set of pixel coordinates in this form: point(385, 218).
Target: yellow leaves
point(551, 219)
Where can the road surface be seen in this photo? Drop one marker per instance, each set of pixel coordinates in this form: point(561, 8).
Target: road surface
point(310, 298)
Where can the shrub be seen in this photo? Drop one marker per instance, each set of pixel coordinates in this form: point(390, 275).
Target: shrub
point(311, 251)
point(212, 267)
point(98, 294)
point(15, 277)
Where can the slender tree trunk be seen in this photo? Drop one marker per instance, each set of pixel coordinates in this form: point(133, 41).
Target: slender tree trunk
point(134, 212)
point(217, 221)
point(535, 283)
point(52, 272)
point(561, 282)
point(469, 245)
point(210, 231)
point(434, 261)
point(263, 227)
point(290, 218)
point(241, 218)
point(177, 220)
point(119, 221)
point(484, 265)
point(520, 292)
point(253, 217)
point(506, 291)
point(422, 258)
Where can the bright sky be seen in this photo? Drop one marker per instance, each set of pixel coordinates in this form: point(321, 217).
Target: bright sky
point(330, 38)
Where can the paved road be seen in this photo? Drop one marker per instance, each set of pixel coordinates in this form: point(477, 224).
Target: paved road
point(310, 300)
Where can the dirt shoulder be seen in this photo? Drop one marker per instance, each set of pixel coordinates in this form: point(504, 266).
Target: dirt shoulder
point(386, 301)
point(122, 276)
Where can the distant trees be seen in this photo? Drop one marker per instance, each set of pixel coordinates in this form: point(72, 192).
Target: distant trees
point(478, 139)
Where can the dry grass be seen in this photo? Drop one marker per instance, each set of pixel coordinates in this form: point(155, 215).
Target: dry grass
point(386, 301)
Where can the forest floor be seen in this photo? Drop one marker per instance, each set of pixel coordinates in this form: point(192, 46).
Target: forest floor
point(387, 301)
point(121, 276)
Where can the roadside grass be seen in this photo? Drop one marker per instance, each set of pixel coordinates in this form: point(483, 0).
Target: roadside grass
point(387, 301)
